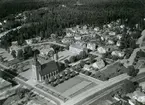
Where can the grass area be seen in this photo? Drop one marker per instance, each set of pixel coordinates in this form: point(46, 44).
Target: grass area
point(73, 86)
point(111, 71)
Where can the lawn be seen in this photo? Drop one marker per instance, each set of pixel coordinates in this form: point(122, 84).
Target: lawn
point(111, 71)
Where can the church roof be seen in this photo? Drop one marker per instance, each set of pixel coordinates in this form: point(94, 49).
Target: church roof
point(47, 65)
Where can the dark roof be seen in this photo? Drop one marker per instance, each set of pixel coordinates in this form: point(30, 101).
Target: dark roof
point(48, 67)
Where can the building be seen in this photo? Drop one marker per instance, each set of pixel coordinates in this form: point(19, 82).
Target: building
point(77, 37)
point(91, 46)
point(33, 40)
point(15, 48)
point(118, 44)
point(99, 64)
point(46, 51)
point(77, 47)
point(43, 68)
point(4, 85)
point(102, 50)
point(118, 53)
point(87, 67)
point(67, 40)
point(111, 42)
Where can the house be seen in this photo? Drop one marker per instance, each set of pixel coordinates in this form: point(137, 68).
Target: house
point(96, 29)
point(15, 48)
point(4, 85)
point(1, 24)
point(119, 36)
point(33, 40)
point(43, 68)
point(118, 44)
point(139, 96)
point(15, 43)
point(77, 37)
point(112, 33)
point(87, 67)
point(118, 53)
point(67, 40)
point(91, 46)
point(111, 42)
point(99, 64)
point(102, 50)
point(29, 41)
point(46, 51)
point(77, 47)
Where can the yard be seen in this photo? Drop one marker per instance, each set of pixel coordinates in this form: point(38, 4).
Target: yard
point(111, 71)
point(5, 55)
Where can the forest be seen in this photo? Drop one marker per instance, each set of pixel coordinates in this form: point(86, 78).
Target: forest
point(56, 18)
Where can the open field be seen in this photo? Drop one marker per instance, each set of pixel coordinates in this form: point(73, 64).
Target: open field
point(73, 86)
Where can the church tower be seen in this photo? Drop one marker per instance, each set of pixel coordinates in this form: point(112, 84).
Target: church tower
point(36, 68)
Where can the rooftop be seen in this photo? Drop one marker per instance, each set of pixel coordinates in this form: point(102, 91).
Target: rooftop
point(4, 83)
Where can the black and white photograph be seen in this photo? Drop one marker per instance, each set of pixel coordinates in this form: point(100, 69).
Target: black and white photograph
point(72, 52)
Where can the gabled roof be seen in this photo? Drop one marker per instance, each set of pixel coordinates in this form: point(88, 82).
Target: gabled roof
point(4, 83)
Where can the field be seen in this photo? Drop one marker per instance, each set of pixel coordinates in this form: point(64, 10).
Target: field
point(73, 86)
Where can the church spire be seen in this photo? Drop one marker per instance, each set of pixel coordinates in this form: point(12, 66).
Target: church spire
point(35, 59)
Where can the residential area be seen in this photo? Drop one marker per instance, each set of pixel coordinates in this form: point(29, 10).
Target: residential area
point(58, 63)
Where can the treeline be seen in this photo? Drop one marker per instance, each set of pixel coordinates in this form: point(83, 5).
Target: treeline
point(17, 6)
point(56, 18)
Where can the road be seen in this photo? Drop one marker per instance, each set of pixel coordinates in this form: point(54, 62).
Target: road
point(17, 28)
point(133, 55)
point(43, 43)
point(40, 91)
point(4, 33)
point(87, 95)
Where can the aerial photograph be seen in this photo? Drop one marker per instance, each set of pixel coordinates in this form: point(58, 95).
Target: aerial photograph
point(72, 52)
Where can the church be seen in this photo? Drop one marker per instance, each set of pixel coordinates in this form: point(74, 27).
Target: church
point(43, 68)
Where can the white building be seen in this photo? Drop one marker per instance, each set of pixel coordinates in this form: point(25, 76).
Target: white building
point(29, 41)
point(96, 29)
point(77, 37)
point(118, 44)
point(98, 64)
point(15, 48)
point(112, 33)
point(119, 36)
point(91, 46)
point(118, 53)
point(111, 42)
point(1, 24)
point(101, 50)
point(77, 47)
point(46, 51)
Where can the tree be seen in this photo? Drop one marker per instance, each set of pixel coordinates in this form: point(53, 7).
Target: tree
point(129, 87)
point(72, 59)
point(66, 62)
point(136, 34)
point(53, 36)
point(91, 59)
point(28, 51)
point(36, 52)
point(132, 71)
point(20, 54)
point(82, 63)
point(83, 54)
point(13, 53)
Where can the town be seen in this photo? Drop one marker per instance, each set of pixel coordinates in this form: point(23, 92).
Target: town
point(87, 65)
